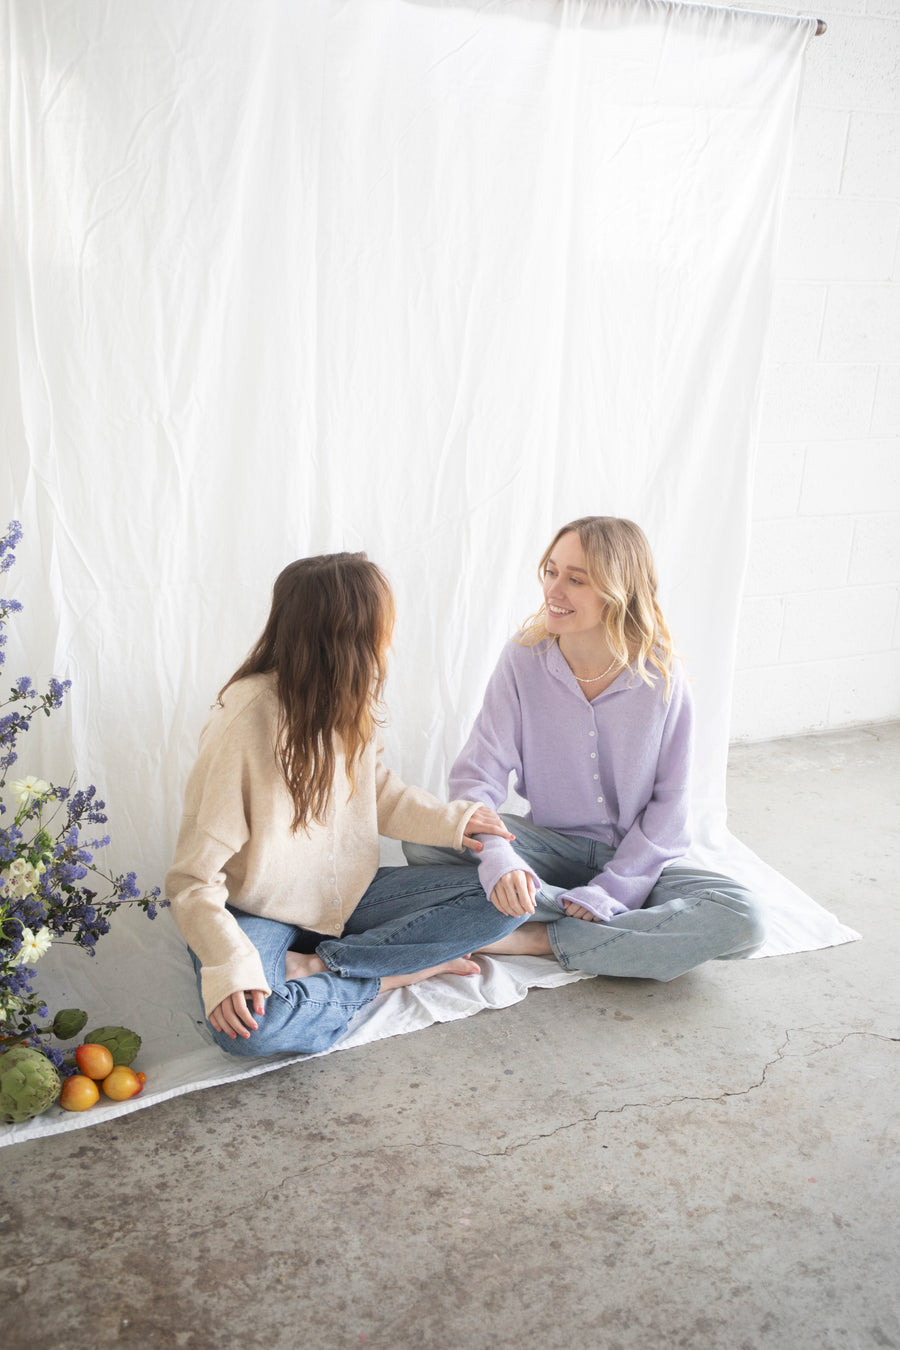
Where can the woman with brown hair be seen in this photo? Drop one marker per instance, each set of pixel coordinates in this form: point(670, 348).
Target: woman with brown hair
point(275, 885)
point(590, 710)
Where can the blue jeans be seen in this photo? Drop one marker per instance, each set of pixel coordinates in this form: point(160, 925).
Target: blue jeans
point(409, 919)
point(689, 917)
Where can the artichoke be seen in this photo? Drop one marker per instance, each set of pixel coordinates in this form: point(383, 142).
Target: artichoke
point(68, 1022)
point(122, 1044)
point(29, 1084)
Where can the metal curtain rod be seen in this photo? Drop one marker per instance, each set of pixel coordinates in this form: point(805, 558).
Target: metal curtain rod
point(821, 26)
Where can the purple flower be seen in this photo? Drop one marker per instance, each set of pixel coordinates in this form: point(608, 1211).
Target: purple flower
point(59, 903)
point(127, 886)
point(33, 912)
point(82, 806)
point(10, 725)
point(58, 691)
point(8, 543)
point(9, 843)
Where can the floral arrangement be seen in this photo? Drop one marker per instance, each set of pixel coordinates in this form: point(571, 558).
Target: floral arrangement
point(46, 863)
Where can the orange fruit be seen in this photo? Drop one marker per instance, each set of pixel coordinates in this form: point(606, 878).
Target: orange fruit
point(94, 1061)
point(122, 1083)
point(78, 1093)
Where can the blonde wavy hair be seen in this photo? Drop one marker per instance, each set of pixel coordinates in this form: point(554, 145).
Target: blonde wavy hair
point(621, 570)
point(326, 639)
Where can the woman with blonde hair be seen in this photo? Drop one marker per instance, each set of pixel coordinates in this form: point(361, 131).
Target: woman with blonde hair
point(275, 886)
point(590, 710)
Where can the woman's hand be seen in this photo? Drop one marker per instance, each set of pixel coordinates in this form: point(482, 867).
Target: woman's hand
point(579, 912)
point(234, 1017)
point(483, 821)
point(514, 894)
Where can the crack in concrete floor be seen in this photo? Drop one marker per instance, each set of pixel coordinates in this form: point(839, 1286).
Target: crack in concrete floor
point(662, 1102)
point(676, 1101)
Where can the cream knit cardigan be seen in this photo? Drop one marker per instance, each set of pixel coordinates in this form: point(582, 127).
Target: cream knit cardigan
point(236, 844)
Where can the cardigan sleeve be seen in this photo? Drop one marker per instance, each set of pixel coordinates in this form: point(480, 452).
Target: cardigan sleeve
point(482, 769)
point(196, 884)
point(214, 829)
point(413, 814)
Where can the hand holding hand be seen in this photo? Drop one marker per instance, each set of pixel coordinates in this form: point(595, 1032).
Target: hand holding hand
point(514, 894)
point(234, 1017)
point(579, 912)
point(483, 820)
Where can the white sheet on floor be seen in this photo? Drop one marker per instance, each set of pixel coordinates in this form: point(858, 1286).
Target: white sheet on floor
point(179, 1055)
point(420, 277)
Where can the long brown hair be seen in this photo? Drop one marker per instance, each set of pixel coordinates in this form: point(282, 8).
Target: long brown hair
point(621, 570)
point(326, 638)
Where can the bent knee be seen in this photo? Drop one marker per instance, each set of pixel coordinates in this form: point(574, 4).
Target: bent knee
point(755, 931)
point(242, 1047)
point(303, 1036)
point(267, 1047)
point(272, 1037)
point(750, 927)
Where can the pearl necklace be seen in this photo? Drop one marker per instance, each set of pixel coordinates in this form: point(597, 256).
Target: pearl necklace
point(594, 678)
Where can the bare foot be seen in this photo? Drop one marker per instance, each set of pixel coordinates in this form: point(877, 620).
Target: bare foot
point(297, 965)
point(461, 966)
point(531, 939)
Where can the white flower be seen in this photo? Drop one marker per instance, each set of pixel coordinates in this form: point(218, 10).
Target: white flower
point(34, 945)
point(25, 789)
point(21, 878)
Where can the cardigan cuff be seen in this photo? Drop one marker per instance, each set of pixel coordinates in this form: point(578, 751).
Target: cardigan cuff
point(239, 974)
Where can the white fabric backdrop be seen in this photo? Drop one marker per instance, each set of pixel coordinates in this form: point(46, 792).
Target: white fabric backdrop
point(422, 278)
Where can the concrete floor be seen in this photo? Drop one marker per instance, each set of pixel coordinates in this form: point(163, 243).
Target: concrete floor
point(612, 1165)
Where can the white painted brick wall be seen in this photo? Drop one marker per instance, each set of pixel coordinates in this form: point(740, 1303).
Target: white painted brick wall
point(819, 639)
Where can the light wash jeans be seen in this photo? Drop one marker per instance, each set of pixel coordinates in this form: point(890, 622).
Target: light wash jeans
point(408, 919)
point(689, 917)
